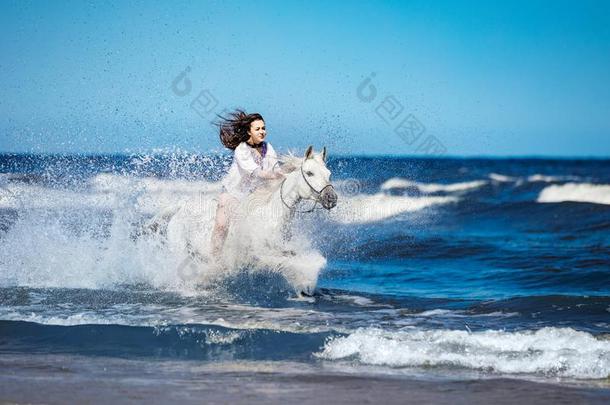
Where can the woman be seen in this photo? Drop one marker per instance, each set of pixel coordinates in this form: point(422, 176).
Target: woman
point(253, 162)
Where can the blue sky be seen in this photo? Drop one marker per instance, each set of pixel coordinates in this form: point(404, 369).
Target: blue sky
point(480, 78)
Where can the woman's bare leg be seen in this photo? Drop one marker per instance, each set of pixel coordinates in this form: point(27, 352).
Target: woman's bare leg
point(226, 205)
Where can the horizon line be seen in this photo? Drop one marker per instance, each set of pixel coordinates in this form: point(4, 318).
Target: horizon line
point(338, 155)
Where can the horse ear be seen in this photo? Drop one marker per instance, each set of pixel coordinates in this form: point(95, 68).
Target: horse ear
point(324, 154)
point(309, 152)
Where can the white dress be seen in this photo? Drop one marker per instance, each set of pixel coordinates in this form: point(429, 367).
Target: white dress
point(242, 177)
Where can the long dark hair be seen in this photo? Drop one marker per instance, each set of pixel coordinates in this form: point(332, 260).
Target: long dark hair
point(234, 127)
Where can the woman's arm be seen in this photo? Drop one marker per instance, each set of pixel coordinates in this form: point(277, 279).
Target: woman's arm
point(269, 174)
point(272, 169)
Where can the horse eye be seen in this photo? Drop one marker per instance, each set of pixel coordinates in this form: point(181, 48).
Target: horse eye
point(309, 173)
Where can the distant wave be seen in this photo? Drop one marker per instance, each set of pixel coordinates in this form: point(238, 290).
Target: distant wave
point(398, 182)
point(549, 351)
point(551, 179)
point(583, 192)
point(377, 207)
point(501, 178)
point(534, 178)
point(364, 208)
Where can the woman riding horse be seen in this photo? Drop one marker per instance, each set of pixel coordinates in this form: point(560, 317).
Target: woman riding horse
point(253, 163)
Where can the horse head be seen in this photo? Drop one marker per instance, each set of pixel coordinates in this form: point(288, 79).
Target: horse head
point(315, 182)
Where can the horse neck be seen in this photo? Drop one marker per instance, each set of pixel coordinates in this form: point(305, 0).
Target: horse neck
point(288, 191)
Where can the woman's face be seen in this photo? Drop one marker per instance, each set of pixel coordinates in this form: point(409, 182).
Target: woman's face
point(257, 132)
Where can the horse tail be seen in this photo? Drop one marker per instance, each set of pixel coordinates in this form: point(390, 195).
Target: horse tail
point(157, 225)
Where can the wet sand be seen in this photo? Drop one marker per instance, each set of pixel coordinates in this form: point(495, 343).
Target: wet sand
point(58, 379)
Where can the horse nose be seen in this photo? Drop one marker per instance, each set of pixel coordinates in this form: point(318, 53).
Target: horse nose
point(329, 198)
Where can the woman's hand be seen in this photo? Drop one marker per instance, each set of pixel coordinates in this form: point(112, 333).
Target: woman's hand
point(277, 174)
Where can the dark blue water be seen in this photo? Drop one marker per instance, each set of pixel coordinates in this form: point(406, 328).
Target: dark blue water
point(500, 265)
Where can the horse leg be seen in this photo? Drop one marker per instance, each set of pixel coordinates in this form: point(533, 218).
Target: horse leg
point(305, 294)
point(286, 229)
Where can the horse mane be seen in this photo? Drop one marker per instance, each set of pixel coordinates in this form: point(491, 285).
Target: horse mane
point(290, 163)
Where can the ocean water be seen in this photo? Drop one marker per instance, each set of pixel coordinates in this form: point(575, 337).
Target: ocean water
point(431, 267)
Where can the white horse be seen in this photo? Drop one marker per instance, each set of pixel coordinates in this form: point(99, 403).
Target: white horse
point(260, 234)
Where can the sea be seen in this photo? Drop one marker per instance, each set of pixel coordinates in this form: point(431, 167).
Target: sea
point(439, 272)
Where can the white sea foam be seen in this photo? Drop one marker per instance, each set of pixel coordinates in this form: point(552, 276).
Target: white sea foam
point(398, 182)
point(578, 192)
point(549, 351)
point(355, 299)
point(49, 249)
point(365, 208)
point(39, 197)
point(9, 199)
point(535, 178)
point(81, 318)
point(109, 191)
point(447, 313)
point(86, 237)
point(376, 207)
point(212, 337)
point(551, 179)
point(56, 244)
point(114, 183)
point(232, 316)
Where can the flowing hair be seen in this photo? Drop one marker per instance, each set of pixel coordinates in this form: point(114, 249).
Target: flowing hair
point(234, 127)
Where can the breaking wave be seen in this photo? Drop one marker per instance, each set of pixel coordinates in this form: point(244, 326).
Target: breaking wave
point(582, 192)
point(549, 351)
